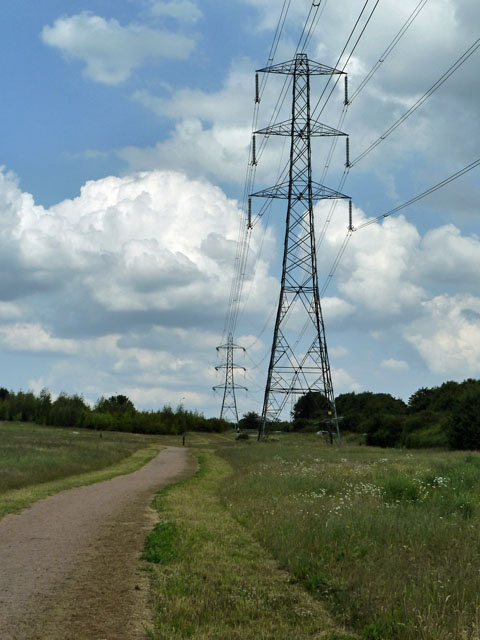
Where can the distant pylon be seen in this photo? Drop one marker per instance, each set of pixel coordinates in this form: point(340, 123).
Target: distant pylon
point(229, 403)
point(303, 366)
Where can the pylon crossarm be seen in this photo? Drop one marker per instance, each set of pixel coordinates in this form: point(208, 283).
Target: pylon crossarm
point(293, 66)
point(299, 192)
point(317, 129)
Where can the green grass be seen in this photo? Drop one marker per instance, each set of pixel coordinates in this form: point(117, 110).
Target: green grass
point(214, 581)
point(388, 540)
point(39, 461)
point(161, 544)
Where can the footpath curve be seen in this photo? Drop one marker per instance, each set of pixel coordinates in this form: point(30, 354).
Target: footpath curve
point(69, 565)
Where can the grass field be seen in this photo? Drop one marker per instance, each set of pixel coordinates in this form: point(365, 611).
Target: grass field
point(37, 461)
point(389, 540)
point(383, 543)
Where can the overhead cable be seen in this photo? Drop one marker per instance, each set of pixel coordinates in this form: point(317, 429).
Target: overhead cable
point(463, 58)
point(341, 55)
point(244, 232)
point(441, 184)
point(389, 49)
point(345, 63)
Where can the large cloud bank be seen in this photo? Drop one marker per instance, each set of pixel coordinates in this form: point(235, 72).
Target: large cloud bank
point(132, 278)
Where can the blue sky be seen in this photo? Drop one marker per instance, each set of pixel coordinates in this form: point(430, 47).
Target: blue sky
point(126, 128)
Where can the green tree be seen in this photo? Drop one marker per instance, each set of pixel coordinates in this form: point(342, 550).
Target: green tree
point(464, 427)
point(116, 405)
point(44, 406)
point(384, 430)
point(311, 406)
point(356, 409)
point(68, 411)
point(250, 420)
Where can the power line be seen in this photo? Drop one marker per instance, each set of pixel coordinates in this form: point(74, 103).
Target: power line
point(389, 49)
point(245, 228)
point(387, 52)
point(351, 98)
point(340, 56)
point(441, 184)
point(347, 60)
point(463, 58)
point(315, 22)
point(425, 193)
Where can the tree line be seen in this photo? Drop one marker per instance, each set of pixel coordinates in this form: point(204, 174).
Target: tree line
point(116, 413)
point(443, 416)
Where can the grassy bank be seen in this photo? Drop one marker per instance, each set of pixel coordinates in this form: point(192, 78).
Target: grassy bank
point(211, 580)
point(39, 461)
point(388, 540)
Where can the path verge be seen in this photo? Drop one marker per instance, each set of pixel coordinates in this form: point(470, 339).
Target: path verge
point(215, 581)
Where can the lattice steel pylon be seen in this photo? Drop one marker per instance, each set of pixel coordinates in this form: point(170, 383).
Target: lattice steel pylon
point(304, 366)
point(229, 403)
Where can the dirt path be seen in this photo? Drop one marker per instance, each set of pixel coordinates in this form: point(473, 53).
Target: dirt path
point(69, 565)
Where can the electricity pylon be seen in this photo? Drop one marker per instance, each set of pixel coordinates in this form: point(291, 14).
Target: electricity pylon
point(303, 366)
point(229, 403)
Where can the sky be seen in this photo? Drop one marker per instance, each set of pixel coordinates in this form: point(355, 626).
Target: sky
point(126, 128)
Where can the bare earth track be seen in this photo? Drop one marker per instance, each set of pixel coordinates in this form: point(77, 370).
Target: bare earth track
point(69, 565)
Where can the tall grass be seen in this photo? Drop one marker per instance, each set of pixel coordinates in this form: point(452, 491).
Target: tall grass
point(390, 540)
point(33, 455)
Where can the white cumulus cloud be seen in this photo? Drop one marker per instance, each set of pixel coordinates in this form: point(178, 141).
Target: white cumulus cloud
point(111, 51)
point(33, 337)
point(179, 9)
point(447, 335)
point(132, 277)
point(394, 365)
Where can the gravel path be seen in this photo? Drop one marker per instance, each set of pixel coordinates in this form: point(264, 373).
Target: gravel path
point(69, 565)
